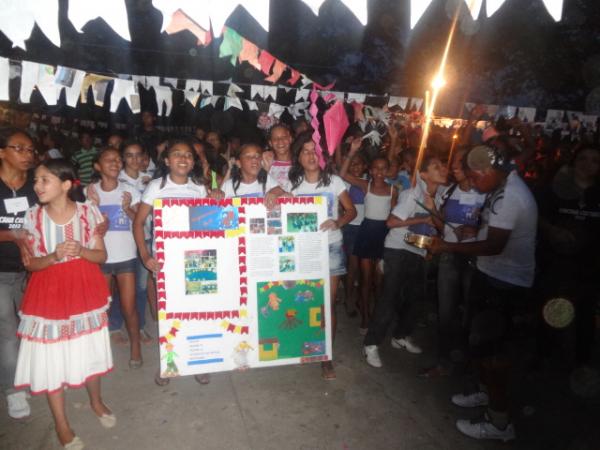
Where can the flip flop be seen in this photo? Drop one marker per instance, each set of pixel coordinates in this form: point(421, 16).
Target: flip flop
point(160, 381)
point(327, 371)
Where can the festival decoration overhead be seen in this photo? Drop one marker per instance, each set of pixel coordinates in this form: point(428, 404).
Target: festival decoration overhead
point(113, 12)
point(17, 19)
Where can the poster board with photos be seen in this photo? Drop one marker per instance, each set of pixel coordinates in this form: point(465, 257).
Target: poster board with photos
point(241, 286)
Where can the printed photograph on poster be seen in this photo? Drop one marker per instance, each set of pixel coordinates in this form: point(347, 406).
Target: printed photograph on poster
point(257, 225)
point(64, 76)
point(274, 213)
point(200, 272)
point(302, 222)
point(287, 264)
point(290, 319)
point(286, 244)
point(214, 218)
point(274, 226)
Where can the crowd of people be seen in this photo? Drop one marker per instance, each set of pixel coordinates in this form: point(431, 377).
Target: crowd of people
point(487, 215)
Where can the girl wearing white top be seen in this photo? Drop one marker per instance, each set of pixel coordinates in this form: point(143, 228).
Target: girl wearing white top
point(118, 202)
point(307, 178)
point(380, 198)
point(181, 178)
point(250, 179)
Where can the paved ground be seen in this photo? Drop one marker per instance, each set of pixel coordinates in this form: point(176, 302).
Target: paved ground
point(293, 408)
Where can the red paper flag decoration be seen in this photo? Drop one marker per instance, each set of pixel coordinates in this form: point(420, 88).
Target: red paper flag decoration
point(266, 60)
point(278, 69)
point(336, 123)
point(181, 21)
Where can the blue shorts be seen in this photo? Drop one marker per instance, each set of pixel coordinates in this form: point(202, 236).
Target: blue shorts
point(337, 259)
point(119, 267)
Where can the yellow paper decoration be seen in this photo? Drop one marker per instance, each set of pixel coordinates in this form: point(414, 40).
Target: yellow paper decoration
point(158, 203)
point(238, 329)
point(224, 324)
point(236, 201)
point(162, 315)
point(318, 200)
point(243, 313)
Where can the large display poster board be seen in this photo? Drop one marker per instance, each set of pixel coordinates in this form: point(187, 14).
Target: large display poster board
point(241, 286)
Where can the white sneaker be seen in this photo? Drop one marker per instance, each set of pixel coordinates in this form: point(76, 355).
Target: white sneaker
point(18, 407)
point(372, 355)
point(486, 430)
point(471, 400)
point(407, 344)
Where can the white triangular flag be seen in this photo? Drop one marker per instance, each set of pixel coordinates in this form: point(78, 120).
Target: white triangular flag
point(214, 100)
point(393, 101)
point(73, 92)
point(139, 79)
point(526, 114)
point(252, 106)
point(298, 109)
point(314, 5)
point(270, 91)
point(206, 87)
point(113, 12)
point(29, 75)
point(46, 84)
point(4, 70)
point(171, 81)
point(491, 6)
point(192, 85)
point(355, 97)
point(164, 95)
point(275, 109)
point(219, 12)
point(233, 90)
point(358, 8)
point(555, 8)
point(417, 103)
point(152, 82)
point(417, 8)
point(18, 31)
point(232, 102)
point(257, 89)
point(259, 9)
point(205, 102)
point(474, 7)
point(45, 13)
point(302, 94)
point(305, 81)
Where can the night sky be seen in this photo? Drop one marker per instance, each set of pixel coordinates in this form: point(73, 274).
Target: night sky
point(519, 56)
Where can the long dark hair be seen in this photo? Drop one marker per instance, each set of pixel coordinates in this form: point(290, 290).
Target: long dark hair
point(236, 172)
point(65, 171)
point(296, 173)
point(162, 170)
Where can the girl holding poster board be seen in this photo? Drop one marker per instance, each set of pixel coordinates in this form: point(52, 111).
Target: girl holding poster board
point(307, 178)
point(181, 177)
point(250, 179)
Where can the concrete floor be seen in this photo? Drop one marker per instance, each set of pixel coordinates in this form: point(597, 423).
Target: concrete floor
point(293, 408)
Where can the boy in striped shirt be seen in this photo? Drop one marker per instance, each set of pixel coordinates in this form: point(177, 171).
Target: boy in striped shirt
point(84, 158)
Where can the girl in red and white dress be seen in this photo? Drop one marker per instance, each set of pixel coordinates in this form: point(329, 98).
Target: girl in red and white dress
point(63, 329)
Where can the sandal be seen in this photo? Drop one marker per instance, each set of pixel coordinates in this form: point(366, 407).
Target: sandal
point(160, 381)
point(75, 444)
point(135, 363)
point(118, 338)
point(327, 371)
point(203, 378)
point(437, 371)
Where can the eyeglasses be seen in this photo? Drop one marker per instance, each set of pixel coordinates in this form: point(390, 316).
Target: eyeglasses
point(20, 149)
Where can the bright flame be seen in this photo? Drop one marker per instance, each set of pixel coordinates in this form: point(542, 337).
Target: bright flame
point(438, 82)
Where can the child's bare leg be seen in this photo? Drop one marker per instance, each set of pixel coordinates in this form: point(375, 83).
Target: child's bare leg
point(126, 283)
point(96, 403)
point(56, 402)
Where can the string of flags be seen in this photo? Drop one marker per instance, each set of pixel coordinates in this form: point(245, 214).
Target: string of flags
point(17, 19)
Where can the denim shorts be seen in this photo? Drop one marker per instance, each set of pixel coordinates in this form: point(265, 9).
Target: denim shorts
point(119, 267)
point(337, 259)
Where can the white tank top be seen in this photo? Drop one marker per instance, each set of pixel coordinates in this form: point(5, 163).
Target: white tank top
point(377, 207)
